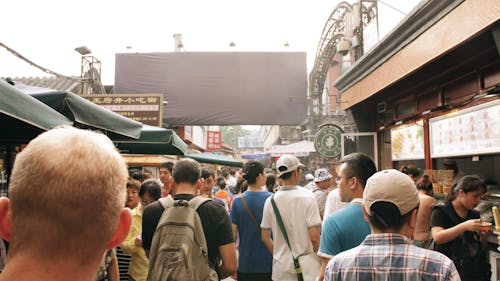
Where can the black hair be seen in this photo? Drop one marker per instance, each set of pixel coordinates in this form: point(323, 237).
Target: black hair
point(151, 187)
point(468, 184)
point(410, 170)
point(219, 179)
point(207, 172)
point(241, 186)
point(286, 175)
point(133, 184)
point(221, 184)
point(251, 170)
point(425, 184)
point(168, 165)
point(186, 170)
point(359, 165)
point(270, 182)
point(386, 215)
point(136, 174)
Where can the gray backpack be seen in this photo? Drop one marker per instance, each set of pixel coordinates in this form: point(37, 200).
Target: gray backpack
point(179, 249)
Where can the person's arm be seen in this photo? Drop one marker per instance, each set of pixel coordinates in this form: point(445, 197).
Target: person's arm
point(324, 263)
point(266, 240)
point(229, 260)
point(442, 235)
point(314, 234)
point(235, 231)
point(113, 271)
point(128, 245)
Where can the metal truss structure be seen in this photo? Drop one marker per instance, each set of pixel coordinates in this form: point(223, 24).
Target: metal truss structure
point(346, 22)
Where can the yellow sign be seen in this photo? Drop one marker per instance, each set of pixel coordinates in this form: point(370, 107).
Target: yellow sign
point(145, 108)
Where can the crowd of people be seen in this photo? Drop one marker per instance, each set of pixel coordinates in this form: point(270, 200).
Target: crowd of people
point(79, 213)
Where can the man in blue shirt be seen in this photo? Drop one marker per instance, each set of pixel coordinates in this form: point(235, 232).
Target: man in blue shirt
point(346, 228)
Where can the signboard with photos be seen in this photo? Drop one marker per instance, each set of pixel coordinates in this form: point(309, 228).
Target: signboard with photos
point(407, 142)
point(472, 131)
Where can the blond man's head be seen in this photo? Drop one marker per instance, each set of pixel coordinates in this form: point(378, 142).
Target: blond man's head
point(67, 192)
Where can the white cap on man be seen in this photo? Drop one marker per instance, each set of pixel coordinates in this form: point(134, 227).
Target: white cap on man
point(287, 163)
point(391, 186)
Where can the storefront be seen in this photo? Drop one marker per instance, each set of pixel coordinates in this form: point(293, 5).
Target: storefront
point(437, 72)
point(431, 92)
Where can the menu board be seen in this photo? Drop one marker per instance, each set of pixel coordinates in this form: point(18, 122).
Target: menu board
point(473, 131)
point(407, 143)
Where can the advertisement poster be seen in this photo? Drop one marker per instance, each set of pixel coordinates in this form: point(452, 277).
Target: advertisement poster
point(407, 143)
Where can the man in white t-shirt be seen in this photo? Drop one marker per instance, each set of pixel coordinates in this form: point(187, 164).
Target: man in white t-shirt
point(333, 203)
point(300, 216)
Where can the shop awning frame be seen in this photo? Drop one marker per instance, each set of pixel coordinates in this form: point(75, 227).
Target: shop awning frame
point(153, 140)
point(23, 117)
point(213, 158)
point(84, 113)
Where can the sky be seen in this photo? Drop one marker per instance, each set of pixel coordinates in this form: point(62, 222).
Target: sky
point(47, 31)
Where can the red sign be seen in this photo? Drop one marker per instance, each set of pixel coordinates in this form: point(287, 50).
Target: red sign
point(214, 140)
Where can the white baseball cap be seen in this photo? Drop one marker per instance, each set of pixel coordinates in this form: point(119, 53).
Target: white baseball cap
point(391, 186)
point(287, 163)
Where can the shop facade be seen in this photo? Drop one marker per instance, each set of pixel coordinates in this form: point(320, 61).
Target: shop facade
point(431, 93)
point(431, 89)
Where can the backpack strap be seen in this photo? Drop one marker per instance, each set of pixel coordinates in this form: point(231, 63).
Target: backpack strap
point(196, 202)
point(166, 202)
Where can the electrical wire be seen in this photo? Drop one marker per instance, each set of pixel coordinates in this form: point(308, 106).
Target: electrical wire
point(41, 67)
point(392, 7)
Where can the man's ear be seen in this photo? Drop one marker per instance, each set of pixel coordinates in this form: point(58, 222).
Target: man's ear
point(355, 182)
point(173, 188)
point(5, 218)
point(413, 219)
point(121, 232)
point(199, 184)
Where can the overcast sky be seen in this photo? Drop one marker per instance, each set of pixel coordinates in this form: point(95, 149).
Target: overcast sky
point(47, 31)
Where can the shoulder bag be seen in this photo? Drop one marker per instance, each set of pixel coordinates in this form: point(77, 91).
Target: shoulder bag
point(307, 266)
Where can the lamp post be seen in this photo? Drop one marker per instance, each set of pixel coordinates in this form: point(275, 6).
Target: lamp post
point(90, 72)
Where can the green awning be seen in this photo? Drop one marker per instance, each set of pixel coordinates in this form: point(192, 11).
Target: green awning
point(23, 117)
point(213, 158)
point(87, 114)
point(153, 140)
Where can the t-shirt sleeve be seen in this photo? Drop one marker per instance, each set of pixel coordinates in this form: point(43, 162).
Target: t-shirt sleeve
point(224, 232)
point(235, 210)
point(313, 218)
point(150, 218)
point(329, 245)
point(438, 218)
point(267, 215)
point(328, 206)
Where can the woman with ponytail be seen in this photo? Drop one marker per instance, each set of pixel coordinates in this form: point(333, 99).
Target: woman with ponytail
point(457, 229)
point(255, 261)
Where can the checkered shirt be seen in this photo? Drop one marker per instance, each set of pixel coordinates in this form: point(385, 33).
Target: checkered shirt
point(390, 256)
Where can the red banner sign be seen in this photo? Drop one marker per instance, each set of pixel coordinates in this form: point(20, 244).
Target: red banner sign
point(214, 140)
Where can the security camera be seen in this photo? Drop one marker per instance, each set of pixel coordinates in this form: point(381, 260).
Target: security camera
point(344, 46)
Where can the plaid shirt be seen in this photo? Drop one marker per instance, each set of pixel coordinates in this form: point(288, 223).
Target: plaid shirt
point(390, 256)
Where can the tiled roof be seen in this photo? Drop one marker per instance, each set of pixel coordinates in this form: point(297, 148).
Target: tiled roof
point(54, 83)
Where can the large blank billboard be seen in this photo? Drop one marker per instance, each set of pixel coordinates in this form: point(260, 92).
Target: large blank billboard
point(231, 88)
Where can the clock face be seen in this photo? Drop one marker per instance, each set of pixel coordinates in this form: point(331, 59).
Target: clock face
point(327, 141)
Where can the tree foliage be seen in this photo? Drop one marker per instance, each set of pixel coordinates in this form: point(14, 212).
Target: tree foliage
point(230, 134)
